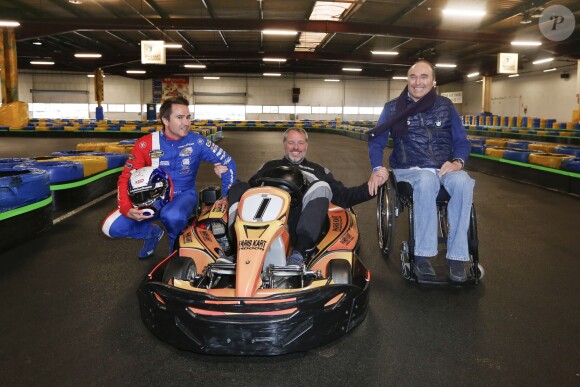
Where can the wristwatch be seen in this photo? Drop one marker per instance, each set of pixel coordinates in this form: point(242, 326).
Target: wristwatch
point(376, 169)
point(460, 160)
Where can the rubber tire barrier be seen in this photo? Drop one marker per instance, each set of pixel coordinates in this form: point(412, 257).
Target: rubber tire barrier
point(521, 155)
point(550, 160)
point(10, 162)
point(496, 152)
point(21, 186)
point(547, 148)
point(61, 171)
point(117, 148)
point(114, 160)
point(568, 150)
point(91, 164)
point(571, 165)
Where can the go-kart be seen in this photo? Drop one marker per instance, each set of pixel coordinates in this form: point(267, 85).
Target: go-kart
point(256, 305)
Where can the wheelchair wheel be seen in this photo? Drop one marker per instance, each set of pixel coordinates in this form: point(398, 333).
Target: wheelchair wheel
point(386, 213)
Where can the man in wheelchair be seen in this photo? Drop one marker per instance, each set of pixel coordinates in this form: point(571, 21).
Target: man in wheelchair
point(312, 187)
point(430, 149)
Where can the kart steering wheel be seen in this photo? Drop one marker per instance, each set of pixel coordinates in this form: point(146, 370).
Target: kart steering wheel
point(296, 194)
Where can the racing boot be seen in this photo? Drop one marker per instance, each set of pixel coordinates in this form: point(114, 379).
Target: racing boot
point(457, 272)
point(423, 269)
point(151, 242)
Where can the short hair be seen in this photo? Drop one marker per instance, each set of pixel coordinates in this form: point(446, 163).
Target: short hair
point(165, 109)
point(427, 63)
point(295, 129)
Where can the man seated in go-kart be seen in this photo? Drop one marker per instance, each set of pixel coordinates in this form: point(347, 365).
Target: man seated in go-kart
point(319, 188)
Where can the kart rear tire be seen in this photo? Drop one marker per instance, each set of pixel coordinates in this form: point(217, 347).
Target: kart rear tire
point(386, 213)
point(340, 271)
point(182, 268)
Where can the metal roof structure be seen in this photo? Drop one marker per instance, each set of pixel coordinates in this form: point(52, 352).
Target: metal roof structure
point(230, 36)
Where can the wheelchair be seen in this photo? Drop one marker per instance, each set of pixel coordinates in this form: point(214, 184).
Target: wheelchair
point(396, 197)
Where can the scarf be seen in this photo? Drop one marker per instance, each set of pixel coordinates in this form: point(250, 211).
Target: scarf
point(399, 120)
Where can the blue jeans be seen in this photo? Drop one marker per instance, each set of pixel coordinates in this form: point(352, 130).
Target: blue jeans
point(425, 189)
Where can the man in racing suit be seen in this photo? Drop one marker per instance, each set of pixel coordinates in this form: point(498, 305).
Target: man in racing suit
point(178, 152)
point(430, 148)
point(306, 221)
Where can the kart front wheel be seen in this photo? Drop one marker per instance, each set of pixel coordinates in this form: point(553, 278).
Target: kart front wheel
point(340, 272)
point(181, 268)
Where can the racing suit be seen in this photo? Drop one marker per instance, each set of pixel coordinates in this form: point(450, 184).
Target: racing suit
point(180, 159)
point(306, 221)
point(435, 136)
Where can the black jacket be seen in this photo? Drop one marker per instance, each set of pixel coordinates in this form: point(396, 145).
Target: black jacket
point(341, 196)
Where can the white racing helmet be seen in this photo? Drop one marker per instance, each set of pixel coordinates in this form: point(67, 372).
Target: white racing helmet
point(150, 188)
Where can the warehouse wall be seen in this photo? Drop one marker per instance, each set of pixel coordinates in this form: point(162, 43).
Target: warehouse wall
point(545, 95)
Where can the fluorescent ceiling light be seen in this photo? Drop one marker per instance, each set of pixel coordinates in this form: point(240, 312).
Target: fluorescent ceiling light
point(272, 74)
point(93, 75)
point(172, 45)
point(545, 60)
point(351, 69)
point(472, 75)
point(195, 66)
point(87, 55)
point(274, 60)
point(525, 43)
point(136, 71)
point(552, 69)
point(41, 62)
point(331, 80)
point(37, 43)
point(385, 52)
point(9, 23)
point(279, 32)
point(400, 78)
point(465, 12)
point(481, 80)
point(513, 75)
point(211, 77)
point(448, 65)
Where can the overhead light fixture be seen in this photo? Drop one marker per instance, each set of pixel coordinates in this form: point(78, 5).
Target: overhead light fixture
point(322, 10)
point(75, 2)
point(211, 77)
point(9, 23)
point(446, 65)
point(513, 75)
point(332, 80)
point(272, 74)
point(37, 43)
point(526, 43)
point(472, 75)
point(400, 78)
point(385, 52)
point(41, 62)
point(351, 69)
point(280, 60)
point(552, 69)
point(536, 13)
point(481, 80)
point(87, 55)
point(172, 45)
point(195, 66)
point(93, 75)
point(279, 32)
point(136, 71)
point(464, 12)
point(545, 60)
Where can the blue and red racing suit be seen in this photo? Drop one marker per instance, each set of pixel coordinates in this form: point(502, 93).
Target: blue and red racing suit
point(180, 159)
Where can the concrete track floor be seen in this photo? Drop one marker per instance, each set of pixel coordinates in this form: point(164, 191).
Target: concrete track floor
point(69, 311)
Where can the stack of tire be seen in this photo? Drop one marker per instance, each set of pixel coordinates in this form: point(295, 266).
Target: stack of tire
point(25, 202)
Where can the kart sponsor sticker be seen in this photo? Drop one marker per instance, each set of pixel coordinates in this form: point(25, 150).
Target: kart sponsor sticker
point(128, 165)
point(205, 235)
point(336, 223)
point(227, 161)
point(253, 244)
point(186, 152)
point(184, 172)
point(164, 163)
point(219, 152)
point(187, 237)
point(156, 153)
point(131, 157)
point(184, 161)
point(208, 143)
point(142, 144)
point(346, 239)
point(200, 141)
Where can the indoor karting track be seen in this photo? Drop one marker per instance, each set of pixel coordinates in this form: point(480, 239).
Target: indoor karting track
point(69, 311)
